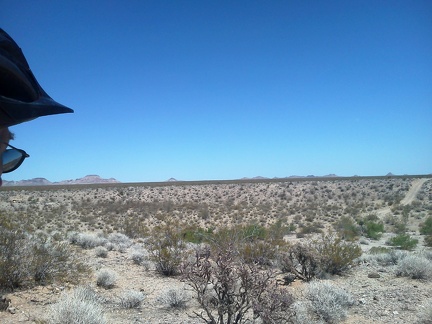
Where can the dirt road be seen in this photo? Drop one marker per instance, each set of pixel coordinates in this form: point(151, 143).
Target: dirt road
point(412, 193)
point(408, 199)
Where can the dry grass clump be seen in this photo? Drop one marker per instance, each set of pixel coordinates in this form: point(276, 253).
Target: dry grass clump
point(82, 305)
point(131, 299)
point(174, 298)
point(415, 267)
point(327, 302)
point(106, 278)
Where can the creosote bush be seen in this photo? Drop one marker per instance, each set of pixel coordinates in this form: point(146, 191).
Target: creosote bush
point(337, 255)
point(29, 259)
point(403, 241)
point(167, 249)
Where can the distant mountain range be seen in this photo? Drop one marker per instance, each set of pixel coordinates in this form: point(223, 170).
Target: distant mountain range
point(88, 179)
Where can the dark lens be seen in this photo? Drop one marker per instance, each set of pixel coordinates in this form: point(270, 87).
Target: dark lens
point(12, 159)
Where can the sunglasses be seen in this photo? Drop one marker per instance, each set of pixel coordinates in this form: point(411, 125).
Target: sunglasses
point(12, 158)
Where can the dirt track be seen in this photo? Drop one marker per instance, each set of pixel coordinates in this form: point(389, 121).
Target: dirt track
point(408, 199)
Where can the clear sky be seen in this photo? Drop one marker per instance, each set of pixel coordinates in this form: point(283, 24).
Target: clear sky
point(201, 90)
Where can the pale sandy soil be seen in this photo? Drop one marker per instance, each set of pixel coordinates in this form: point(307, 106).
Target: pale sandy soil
point(387, 299)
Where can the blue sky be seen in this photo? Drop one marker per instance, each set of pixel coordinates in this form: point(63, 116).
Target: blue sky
point(226, 89)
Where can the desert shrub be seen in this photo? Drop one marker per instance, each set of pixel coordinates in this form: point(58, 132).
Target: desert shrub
point(426, 227)
point(121, 242)
point(14, 257)
point(253, 232)
point(138, 257)
point(414, 267)
point(384, 256)
point(278, 230)
point(301, 260)
point(428, 240)
point(378, 250)
point(227, 289)
point(101, 252)
point(131, 299)
point(347, 229)
point(400, 226)
point(337, 255)
point(174, 298)
point(33, 259)
point(425, 315)
point(80, 306)
point(258, 252)
point(328, 302)
point(403, 241)
point(195, 234)
point(54, 260)
point(373, 229)
point(86, 240)
point(308, 229)
point(106, 278)
point(167, 249)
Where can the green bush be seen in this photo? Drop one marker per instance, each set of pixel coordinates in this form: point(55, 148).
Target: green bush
point(374, 230)
point(166, 248)
point(403, 241)
point(426, 227)
point(337, 255)
point(347, 229)
point(258, 252)
point(196, 234)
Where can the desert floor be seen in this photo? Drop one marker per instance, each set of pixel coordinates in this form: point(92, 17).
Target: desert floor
point(134, 210)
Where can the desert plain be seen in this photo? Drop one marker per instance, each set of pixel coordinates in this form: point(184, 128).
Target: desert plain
point(306, 207)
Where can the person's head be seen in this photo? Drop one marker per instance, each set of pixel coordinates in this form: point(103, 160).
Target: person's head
point(21, 99)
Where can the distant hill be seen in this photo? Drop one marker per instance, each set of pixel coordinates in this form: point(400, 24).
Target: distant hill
point(88, 179)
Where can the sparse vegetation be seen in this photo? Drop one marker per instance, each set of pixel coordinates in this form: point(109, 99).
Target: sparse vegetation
point(172, 228)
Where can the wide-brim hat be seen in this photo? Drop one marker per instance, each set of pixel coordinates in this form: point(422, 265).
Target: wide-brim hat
point(21, 97)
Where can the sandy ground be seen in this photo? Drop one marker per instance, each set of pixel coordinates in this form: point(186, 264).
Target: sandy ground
point(388, 299)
